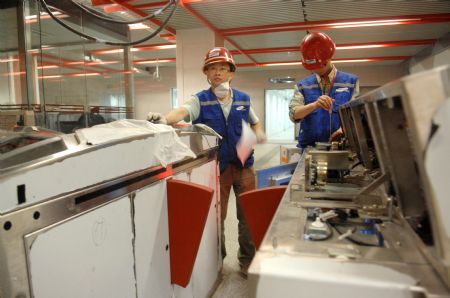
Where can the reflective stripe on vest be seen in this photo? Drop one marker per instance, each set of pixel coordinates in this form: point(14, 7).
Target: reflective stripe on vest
point(316, 126)
point(230, 129)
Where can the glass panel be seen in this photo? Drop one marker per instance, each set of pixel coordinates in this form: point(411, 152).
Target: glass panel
point(278, 124)
point(174, 97)
point(70, 82)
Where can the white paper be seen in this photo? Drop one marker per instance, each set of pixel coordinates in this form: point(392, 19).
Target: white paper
point(245, 145)
point(170, 147)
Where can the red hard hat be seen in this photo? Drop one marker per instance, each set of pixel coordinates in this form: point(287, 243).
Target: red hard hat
point(219, 55)
point(317, 48)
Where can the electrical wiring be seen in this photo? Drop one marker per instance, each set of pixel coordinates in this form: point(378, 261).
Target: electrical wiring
point(103, 18)
point(361, 243)
point(92, 38)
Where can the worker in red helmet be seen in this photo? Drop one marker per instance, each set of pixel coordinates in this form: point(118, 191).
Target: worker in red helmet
point(223, 109)
point(317, 98)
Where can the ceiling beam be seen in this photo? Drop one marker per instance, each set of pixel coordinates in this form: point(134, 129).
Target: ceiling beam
point(154, 61)
point(73, 64)
point(341, 60)
point(339, 23)
point(185, 5)
point(380, 44)
point(106, 2)
point(117, 7)
point(143, 14)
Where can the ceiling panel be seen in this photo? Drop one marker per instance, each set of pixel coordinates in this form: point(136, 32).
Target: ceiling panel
point(271, 40)
point(271, 14)
point(346, 9)
point(232, 14)
point(389, 33)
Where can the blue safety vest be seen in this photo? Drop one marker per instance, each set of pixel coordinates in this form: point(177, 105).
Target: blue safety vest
point(316, 126)
point(230, 129)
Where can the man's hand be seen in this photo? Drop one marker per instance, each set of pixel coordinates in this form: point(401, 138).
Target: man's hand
point(259, 133)
point(336, 135)
point(325, 102)
point(156, 118)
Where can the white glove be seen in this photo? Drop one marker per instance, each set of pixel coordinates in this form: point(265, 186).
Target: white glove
point(260, 136)
point(156, 118)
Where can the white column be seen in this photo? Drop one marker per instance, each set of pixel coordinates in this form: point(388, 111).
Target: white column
point(192, 46)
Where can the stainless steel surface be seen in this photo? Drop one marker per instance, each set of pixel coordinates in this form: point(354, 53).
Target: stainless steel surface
point(21, 221)
point(336, 160)
point(400, 253)
point(389, 129)
point(19, 148)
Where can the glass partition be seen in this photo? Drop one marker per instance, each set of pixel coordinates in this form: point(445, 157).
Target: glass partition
point(278, 124)
point(54, 78)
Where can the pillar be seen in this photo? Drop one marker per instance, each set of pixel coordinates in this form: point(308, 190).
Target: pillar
point(192, 45)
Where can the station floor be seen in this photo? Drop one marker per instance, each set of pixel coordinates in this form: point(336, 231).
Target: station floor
point(232, 283)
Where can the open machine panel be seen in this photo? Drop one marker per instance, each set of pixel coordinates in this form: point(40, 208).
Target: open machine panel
point(366, 216)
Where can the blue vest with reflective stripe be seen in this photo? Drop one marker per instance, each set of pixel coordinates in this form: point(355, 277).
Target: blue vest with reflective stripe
point(230, 129)
point(316, 126)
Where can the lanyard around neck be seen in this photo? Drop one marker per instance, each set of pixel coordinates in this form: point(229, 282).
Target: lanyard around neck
point(331, 84)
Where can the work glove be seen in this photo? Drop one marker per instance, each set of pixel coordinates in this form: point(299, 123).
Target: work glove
point(156, 118)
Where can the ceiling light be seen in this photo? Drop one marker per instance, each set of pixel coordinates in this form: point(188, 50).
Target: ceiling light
point(280, 63)
point(352, 60)
point(366, 25)
point(113, 51)
point(282, 80)
point(50, 77)
point(8, 60)
point(47, 66)
point(153, 61)
point(360, 47)
point(87, 74)
point(138, 26)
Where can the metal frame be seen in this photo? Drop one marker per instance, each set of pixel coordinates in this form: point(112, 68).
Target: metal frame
point(17, 224)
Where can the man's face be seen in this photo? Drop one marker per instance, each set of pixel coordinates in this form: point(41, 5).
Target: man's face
point(323, 70)
point(218, 73)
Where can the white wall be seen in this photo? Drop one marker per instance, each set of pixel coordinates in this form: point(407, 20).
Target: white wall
point(155, 96)
point(152, 95)
point(439, 59)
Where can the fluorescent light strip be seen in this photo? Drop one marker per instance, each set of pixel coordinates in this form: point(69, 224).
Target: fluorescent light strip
point(101, 62)
point(360, 47)
point(33, 18)
point(87, 74)
point(366, 25)
point(299, 63)
point(154, 47)
point(8, 60)
point(280, 63)
point(373, 22)
point(139, 48)
point(47, 66)
point(153, 61)
point(138, 26)
point(353, 60)
point(50, 77)
point(13, 74)
point(113, 51)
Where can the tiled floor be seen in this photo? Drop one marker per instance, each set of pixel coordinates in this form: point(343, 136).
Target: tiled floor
point(233, 284)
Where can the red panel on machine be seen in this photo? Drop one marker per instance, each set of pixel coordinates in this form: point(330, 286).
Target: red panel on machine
point(259, 207)
point(188, 206)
